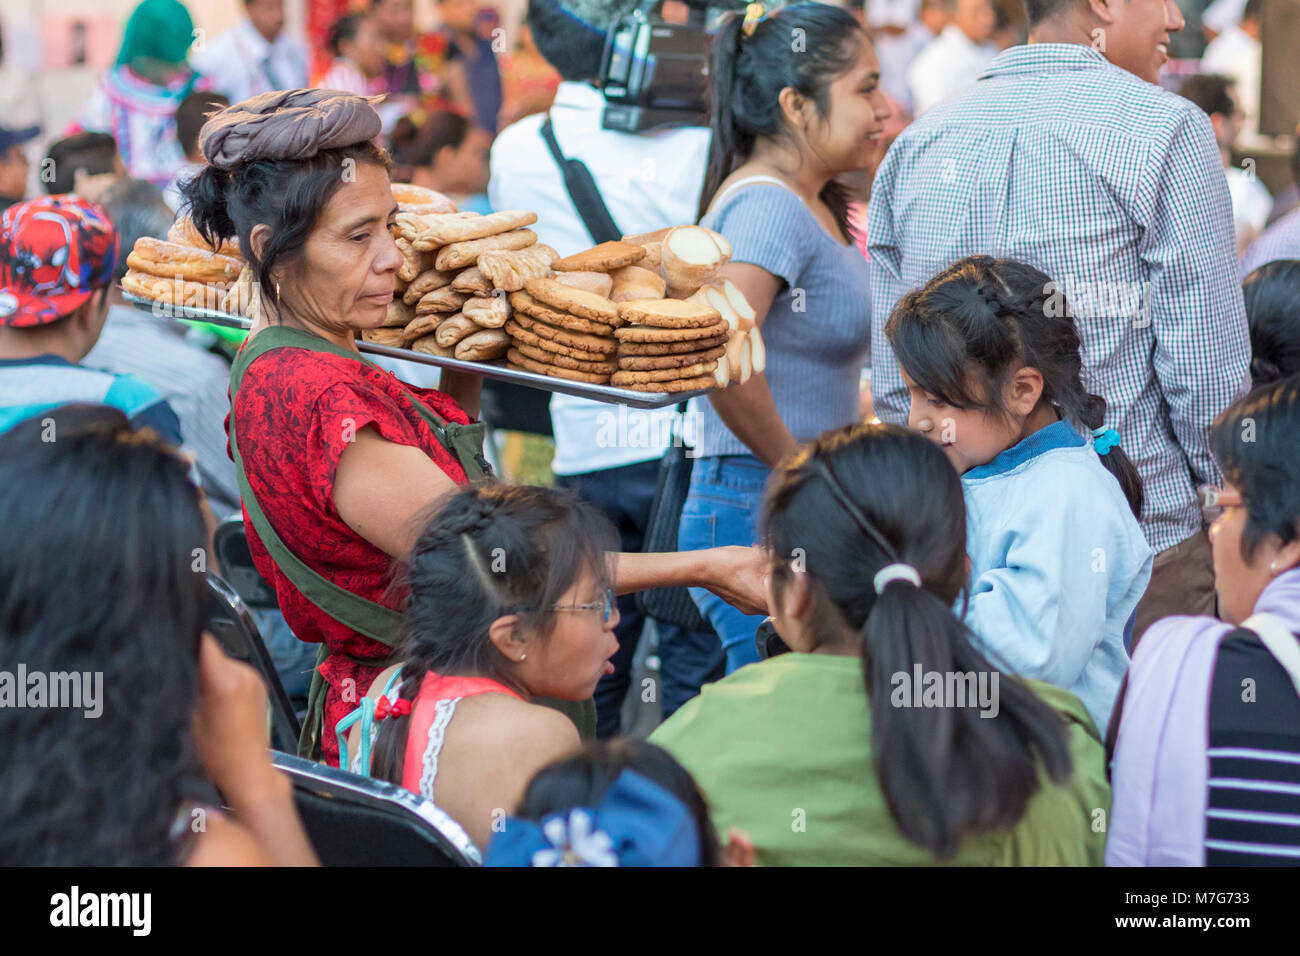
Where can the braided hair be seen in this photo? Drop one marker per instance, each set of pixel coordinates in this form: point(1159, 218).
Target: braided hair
point(876, 495)
point(749, 72)
point(489, 550)
point(965, 333)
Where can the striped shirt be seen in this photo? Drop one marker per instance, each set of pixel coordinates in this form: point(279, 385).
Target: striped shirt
point(1114, 188)
point(1252, 817)
point(31, 387)
point(1207, 759)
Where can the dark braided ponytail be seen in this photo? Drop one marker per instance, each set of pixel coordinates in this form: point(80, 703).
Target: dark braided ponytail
point(851, 502)
point(488, 551)
point(965, 333)
point(748, 74)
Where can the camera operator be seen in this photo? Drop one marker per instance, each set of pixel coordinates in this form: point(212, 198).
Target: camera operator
point(646, 180)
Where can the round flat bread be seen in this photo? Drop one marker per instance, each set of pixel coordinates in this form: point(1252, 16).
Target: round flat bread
point(602, 258)
point(677, 385)
point(623, 377)
point(564, 361)
point(568, 299)
point(522, 363)
point(644, 363)
point(646, 333)
point(667, 313)
point(670, 348)
point(533, 331)
point(522, 337)
point(525, 303)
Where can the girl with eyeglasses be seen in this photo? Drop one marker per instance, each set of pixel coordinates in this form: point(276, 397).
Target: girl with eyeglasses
point(1206, 732)
point(511, 601)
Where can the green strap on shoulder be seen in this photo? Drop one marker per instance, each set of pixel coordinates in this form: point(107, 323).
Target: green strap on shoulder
point(375, 621)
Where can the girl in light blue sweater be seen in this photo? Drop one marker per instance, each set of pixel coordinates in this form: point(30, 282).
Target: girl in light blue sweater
point(991, 357)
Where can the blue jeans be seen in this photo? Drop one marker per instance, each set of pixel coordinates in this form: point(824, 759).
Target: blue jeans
point(722, 508)
point(687, 659)
point(294, 660)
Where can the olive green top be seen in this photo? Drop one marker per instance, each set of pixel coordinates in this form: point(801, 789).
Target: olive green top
point(782, 750)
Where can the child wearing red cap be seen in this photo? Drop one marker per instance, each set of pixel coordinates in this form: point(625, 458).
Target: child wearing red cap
point(56, 261)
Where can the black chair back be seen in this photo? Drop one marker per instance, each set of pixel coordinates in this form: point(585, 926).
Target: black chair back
point(232, 625)
point(356, 821)
point(230, 541)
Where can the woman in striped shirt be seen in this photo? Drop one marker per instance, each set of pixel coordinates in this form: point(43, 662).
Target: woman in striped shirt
point(1207, 758)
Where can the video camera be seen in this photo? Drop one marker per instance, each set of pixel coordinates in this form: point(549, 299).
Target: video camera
point(654, 72)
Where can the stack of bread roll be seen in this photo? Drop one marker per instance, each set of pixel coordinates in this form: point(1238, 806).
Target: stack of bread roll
point(647, 313)
point(456, 273)
point(183, 270)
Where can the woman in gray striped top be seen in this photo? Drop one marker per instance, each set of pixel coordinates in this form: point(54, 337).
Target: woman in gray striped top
point(796, 102)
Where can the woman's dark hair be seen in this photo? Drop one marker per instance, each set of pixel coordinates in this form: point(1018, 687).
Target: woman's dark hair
point(1254, 442)
point(749, 72)
point(345, 28)
point(288, 195)
point(581, 781)
point(488, 551)
point(848, 504)
point(965, 333)
point(1272, 294)
point(99, 531)
point(414, 145)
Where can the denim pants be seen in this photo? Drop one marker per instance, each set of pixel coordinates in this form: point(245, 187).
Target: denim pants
point(687, 659)
point(722, 508)
point(294, 660)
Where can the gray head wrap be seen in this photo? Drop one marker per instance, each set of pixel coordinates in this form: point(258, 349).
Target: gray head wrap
point(287, 124)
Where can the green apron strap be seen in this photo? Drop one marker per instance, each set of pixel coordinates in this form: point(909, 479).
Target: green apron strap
point(375, 621)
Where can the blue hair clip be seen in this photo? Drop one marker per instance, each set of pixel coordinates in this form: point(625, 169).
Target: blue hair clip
point(1104, 439)
point(638, 823)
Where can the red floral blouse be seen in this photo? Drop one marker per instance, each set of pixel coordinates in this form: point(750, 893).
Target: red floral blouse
point(296, 411)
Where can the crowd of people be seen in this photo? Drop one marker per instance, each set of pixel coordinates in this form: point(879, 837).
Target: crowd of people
point(1015, 492)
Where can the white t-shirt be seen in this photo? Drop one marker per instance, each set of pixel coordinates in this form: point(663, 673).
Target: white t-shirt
point(648, 180)
point(1251, 202)
point(1236, 54)
point(946, 67)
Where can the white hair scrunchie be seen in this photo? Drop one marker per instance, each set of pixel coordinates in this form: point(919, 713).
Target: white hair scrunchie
point(896, 572)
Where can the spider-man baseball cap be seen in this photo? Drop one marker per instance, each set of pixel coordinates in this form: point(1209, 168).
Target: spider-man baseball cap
point(55, 253)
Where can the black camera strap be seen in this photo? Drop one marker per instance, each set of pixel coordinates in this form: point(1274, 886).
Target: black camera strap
point(582, 190)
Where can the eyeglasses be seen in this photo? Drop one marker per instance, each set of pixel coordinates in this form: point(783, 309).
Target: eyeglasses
point(1214, 500)
point(605, 606)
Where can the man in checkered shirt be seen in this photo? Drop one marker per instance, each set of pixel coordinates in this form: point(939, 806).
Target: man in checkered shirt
point(1076, 163)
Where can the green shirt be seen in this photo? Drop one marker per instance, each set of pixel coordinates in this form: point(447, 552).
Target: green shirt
point(782, 750)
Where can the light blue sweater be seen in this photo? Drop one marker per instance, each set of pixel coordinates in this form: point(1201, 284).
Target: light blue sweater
point(1058, 565)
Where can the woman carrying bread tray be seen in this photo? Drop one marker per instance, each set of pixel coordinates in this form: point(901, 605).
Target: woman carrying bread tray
point(338, 460)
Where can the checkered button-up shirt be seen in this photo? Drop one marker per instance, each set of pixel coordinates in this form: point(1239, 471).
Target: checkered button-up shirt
point(1114, 188)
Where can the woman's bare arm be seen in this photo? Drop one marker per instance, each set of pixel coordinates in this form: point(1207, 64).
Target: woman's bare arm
point(736, 574)
point(384, 491)
point(749, 410)
point(229, 733)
